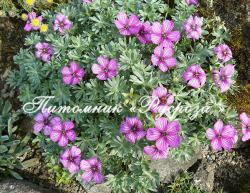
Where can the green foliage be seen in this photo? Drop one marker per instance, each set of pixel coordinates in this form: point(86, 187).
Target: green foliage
point(94, 34)
point(14, 8)
point(12, 151)
point(182, 184)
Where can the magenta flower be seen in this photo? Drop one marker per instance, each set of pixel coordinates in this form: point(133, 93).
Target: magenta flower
point(127, 25)
point(164, 34)
point(105, 69)
point(223, 77)
point(166, 134)
point(161, 100)
point(155, 153)
point(245, 123)
point(132, 129)
point(33, 22)
point(223, 52)
point(71, 159)
point(92, 170)
point(44, 51)
point(193, 27)
point(222, 136)
point(87, 1)
point(144, 34)
point(194, 76)
point(73, 74)
point(62, 23)
point(44, 122)
point(192, 2)
point(163, 59)
point(63, 132)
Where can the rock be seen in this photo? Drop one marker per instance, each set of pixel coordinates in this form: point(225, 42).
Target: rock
point(21, 186)
point(204, 177)
point(100, 188)
point(170, 168)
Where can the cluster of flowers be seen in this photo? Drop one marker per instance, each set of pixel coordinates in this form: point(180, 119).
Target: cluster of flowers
point(225, 136)
point(62, 132)
point(34, 22)
point(165, 134)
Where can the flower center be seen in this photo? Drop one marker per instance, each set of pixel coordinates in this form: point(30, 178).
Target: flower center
point(193, 27)
point(162, 59)
point(223, 78)
point(44, 50)
point(164, 134)
point(63, 131)
point(142, 32)
point(225, 53)
point(164, 35)
point(196, 74)
point(106, 70)
point(94, 168)
point(126, 26)
point(71, 159)
point(134, 128)
point(163, 100)
point(35, 22)
point(61, 24)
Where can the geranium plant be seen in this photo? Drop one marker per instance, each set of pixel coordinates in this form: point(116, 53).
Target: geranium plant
point(165, 67)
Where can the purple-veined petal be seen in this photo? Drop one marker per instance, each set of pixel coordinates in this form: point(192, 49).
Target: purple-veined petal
point(68, 125)
point(216, 144)
point(73, 168)
point(85, 165)
point(162, 143)
point(87, 176)
point(55, 135)
point(174, 140)
point(153, 134)
point(63, 141)
point(173, 127)
point(161, 124)
point(71, 135)
point(98, 178)
point(210, 133)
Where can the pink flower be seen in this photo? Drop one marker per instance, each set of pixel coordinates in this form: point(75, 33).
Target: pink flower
point(223, 77)
point(192, 2)
point(45, 122)
point(87, 1)
point(71, 159)
point(165, 134)
point(31, 18)
point(245, 123)
point(163, 59)
point(132, 129)
point(63, 132)
point(223, 52)
point(127, 25)
point(164, 34)
point(62, 23)
point(193, 27)
point(92, 170)
point(161, 100)
point(106, 68)
point(73, 74)
point(194, 76)
point(155, 153)
point(44, 51)
point(144, 34)
point(222, 136)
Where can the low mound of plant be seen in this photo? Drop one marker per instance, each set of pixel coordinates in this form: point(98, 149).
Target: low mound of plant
point(119, 83)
